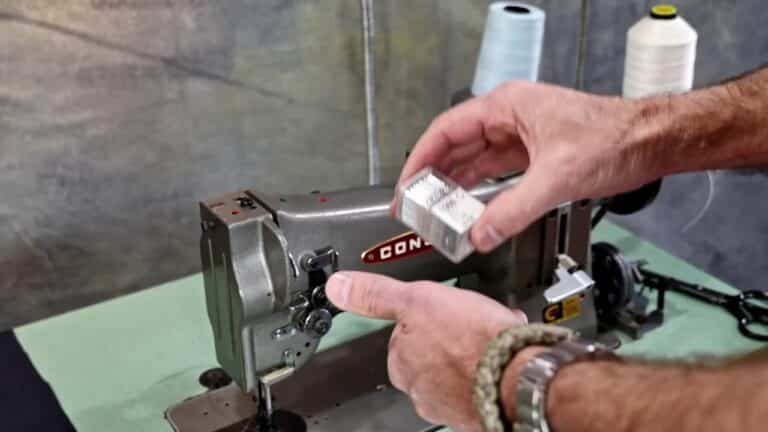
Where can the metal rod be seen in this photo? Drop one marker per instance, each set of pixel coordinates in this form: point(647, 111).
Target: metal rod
point(599, 214)
point(582, 48)
point(367, 14)
point(265, 401)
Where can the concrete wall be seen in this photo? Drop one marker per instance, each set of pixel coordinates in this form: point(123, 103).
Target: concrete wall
point(117, 116)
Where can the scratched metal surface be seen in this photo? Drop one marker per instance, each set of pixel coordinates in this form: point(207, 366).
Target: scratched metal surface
point(117, 116)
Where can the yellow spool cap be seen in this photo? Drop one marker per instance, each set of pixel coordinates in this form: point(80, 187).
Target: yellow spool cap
point(664, 12)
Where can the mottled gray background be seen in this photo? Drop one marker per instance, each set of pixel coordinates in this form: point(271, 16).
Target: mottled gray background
point(117, 116)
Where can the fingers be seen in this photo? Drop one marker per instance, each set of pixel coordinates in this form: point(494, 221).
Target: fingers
point(457, 127)
point(511, 212)
point(369, 295)
point(461, 155)
point(490, 164)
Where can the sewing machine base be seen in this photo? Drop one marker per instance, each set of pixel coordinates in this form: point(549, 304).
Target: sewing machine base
point(343, 388)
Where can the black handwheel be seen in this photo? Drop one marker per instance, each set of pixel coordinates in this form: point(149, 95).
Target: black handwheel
point(614, 280)
point(634, 201)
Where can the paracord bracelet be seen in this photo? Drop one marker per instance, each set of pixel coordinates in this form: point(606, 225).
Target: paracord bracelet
point(491, 367)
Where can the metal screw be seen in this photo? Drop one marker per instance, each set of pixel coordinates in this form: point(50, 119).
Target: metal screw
point(245, 202)
point(318, 323)
point(298, 303)
point(289, 357)
point(283, 332)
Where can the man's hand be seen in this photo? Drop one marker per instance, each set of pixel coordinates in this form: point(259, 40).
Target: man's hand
point(572, 144)
point(441, 333)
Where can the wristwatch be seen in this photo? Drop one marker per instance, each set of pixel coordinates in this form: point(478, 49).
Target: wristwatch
point(534, 380)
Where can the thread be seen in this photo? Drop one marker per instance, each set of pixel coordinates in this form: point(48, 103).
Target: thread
point(707, 203)
point(511, 47)
point(660, 55)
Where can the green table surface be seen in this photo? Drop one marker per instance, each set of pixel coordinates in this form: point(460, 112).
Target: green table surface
point(118, 365)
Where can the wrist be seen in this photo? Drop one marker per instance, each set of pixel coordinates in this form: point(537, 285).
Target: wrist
point(566, 406)
point(691, 132)
point(650, 136)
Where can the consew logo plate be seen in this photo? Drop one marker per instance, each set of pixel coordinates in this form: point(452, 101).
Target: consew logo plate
point(403, 246)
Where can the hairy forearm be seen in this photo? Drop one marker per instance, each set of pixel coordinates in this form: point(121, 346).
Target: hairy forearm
point(720, 127)
point(629, 396)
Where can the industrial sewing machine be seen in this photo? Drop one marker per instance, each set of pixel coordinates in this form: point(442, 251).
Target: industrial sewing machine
point(266, 259)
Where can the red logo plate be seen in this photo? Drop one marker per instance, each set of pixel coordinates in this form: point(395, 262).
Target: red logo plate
point(402, 246)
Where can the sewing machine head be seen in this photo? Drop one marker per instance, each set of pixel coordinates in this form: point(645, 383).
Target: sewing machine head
point(266, 260)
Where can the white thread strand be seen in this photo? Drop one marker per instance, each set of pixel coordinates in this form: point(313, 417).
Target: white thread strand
point(511, 47)
point(707, 204)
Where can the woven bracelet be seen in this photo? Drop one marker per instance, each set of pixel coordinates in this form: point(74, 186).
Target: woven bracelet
point(491, 366)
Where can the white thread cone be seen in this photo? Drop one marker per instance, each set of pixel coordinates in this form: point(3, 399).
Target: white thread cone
point(661, 57)
point(511, 47)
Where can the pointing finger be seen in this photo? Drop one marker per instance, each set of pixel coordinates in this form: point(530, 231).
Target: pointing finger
point(369, 295)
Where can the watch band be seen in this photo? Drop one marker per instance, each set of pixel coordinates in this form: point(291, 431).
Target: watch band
point(534, 380)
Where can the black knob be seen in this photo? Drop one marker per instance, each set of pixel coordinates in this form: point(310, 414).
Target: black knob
point(213, 379)
point(318, 322)
point(318, 297)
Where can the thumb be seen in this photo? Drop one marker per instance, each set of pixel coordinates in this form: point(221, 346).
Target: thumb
point(369, 295)
point(511, 212)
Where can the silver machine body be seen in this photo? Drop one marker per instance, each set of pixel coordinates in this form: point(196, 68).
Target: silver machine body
point(266, 259)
